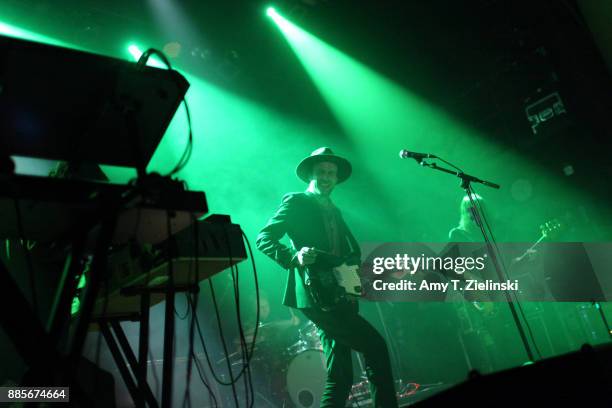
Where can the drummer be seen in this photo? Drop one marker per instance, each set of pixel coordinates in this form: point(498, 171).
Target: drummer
point(276, 332)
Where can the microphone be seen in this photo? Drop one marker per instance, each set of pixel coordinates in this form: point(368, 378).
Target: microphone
point(407, 154)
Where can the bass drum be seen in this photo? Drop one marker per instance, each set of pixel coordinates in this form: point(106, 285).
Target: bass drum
point(306, 377)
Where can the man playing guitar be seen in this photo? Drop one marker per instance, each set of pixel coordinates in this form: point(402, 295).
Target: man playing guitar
point(315, 226)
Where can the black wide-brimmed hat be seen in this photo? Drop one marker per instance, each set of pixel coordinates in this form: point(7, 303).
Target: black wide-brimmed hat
point(323, 154)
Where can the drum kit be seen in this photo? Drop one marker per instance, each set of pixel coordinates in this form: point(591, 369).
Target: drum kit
point(288, 365)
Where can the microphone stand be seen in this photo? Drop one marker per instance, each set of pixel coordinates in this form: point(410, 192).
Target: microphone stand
point(603, 316)
point(466, 181)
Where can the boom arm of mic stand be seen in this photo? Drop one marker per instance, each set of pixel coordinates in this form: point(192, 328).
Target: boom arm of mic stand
point(466, 179)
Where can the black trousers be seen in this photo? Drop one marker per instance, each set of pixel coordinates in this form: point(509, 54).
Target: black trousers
point(342, 330)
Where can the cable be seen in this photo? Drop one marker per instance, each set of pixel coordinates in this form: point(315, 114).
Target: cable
point(186, 156)
point(257, 315)
point(28, 257)
point(246, 355)
point(250, 350)
point(186, 314)
point(193, 305)
point(184, 159)
point(450, 164)
point(222, 337)
point(257, 301)
point(144, 57)
point(256, 281)
point(203, 379)
point(187, 394)
point(169, 330)
point(207, 355)
point(209, 361)
point(246, 349)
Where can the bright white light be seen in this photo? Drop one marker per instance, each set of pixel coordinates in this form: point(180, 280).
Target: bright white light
point(271, 12)
point(152, 61)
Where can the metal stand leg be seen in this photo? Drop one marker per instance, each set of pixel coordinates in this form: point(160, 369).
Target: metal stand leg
point(143, 386)
point(98, 272)
point(168, 366)
point(60, 313)
point(123, 369)
point(143, 339)
point(603, 317)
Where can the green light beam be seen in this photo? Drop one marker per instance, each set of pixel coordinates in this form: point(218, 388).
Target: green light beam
point(13, 31)
point(153, 61)
point(381, 117)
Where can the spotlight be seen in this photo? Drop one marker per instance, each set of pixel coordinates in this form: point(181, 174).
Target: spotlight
point(134, 51)
point(271, 12)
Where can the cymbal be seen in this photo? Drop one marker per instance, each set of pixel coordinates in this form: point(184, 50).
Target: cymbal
point(230, 356)
point(280, 324)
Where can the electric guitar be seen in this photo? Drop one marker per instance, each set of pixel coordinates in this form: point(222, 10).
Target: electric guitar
point(333, 280)
point(549, 230)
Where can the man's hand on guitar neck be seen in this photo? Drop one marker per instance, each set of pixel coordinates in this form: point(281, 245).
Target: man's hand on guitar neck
point(306, 256)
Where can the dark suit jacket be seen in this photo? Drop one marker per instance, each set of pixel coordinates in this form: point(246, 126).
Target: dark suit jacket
point(300, 217)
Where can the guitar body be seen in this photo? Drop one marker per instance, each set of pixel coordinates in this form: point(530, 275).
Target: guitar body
point(331, 282)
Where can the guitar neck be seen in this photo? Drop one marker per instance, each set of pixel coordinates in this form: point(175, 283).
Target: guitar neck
point(531, 248)
point(538, 242)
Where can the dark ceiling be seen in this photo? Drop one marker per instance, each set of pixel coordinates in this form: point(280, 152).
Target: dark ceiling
point(481, 60)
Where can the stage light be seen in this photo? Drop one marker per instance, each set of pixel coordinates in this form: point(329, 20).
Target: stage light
point(153, 61)
point(134, 51)
point(350, 88)
point(271, 12)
